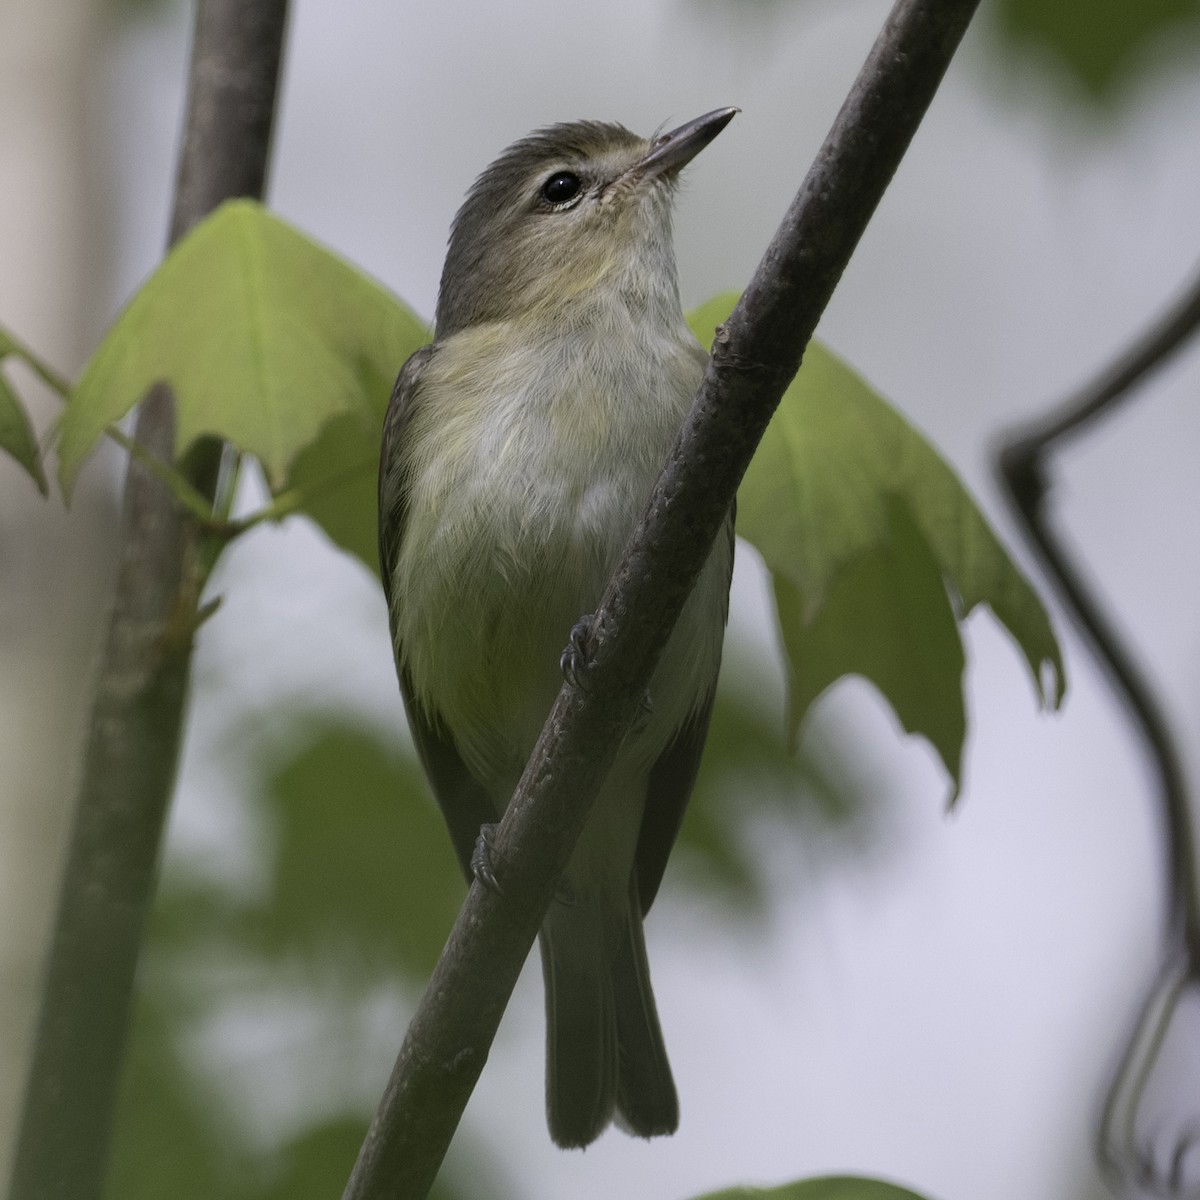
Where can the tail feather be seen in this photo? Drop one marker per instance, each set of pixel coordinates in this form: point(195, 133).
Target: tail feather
point(581, 1041)
point(605, 1055)
point(646, 1100)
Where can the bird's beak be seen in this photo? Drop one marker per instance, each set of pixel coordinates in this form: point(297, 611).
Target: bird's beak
point(671, 151)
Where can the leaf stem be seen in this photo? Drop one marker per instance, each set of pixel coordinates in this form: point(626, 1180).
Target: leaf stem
point(231, 470)
point(290, 500)
point(190, 497)
point(57, 383)
point(192, 500)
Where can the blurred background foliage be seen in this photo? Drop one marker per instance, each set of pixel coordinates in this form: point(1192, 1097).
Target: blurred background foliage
point(1101, 48)
point(358, 888)
point(357, 892)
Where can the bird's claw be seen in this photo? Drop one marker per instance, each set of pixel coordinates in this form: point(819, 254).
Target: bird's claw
point(484, 870)
point(481, 859)
point(575, 656)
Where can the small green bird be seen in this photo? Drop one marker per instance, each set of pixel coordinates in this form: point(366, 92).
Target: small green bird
point(519, 451)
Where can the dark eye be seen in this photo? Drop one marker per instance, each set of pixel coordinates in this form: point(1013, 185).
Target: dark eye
point(561, 187)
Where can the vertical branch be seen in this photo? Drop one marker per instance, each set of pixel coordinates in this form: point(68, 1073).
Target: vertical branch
point(137, 716)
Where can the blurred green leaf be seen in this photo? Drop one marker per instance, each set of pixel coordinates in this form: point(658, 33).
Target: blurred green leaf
point(363, 867)
point(16, 433)
point(745, 755)
point(356, 891)
point(317, 1163)
point(168, 1141)
point(841, 1187)
point(264, 336)
point(853, 513)
point(1100, 44)
point(749, 772)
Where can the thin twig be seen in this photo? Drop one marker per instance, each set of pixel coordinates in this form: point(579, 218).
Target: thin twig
point(190, 497)
point(1024, 463)
point(1104, 394)
point(1025, 471)
point(137, 715)
point(756, 354)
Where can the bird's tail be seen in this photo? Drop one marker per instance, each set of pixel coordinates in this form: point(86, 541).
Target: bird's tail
point(605, 1057)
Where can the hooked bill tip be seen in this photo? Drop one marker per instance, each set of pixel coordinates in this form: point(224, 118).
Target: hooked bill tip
point(674, 150)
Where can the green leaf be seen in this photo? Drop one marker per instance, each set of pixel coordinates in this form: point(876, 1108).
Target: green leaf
point(167, 1140)
point(833, 1187)
point(363, 866)
point(264, 336)
point(876, 551)
point(887, 618)
point(317, 1163)
point(338, 478)
point(16, 433)
point(1101, 45)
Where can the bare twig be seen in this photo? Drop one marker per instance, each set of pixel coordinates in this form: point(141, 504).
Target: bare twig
point(1104, 394)
point(1025, 471)
point(1024, 468)
point(757, 353)
point(137, 716)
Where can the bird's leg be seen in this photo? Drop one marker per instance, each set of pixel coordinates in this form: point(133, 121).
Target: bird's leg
point(575, 657)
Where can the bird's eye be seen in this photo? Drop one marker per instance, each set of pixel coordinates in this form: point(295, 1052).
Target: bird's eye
point(561, 187)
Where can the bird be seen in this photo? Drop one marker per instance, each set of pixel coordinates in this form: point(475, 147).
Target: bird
point(519, 449)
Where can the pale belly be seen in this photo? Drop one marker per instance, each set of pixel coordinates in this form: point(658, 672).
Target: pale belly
point(492, 617)
point(520, 502)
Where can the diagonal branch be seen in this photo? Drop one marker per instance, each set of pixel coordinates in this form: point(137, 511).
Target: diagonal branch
point(138, 711)
point(757, 352)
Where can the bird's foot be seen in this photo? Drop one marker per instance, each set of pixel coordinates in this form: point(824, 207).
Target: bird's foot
point(482, 866)
point(575, 657)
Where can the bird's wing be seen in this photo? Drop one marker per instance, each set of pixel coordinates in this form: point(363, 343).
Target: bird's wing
point(671, 781)
point(464, 803)
point(392, 492)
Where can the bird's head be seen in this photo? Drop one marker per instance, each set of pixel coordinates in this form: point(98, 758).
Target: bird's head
point(566, 212)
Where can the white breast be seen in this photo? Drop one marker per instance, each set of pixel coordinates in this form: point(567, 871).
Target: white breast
point(529, 463)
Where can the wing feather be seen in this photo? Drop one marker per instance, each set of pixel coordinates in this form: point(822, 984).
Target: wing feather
point(671, 781)
point(464, 803)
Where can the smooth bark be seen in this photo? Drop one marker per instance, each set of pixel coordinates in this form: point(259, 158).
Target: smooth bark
point(137, 718)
